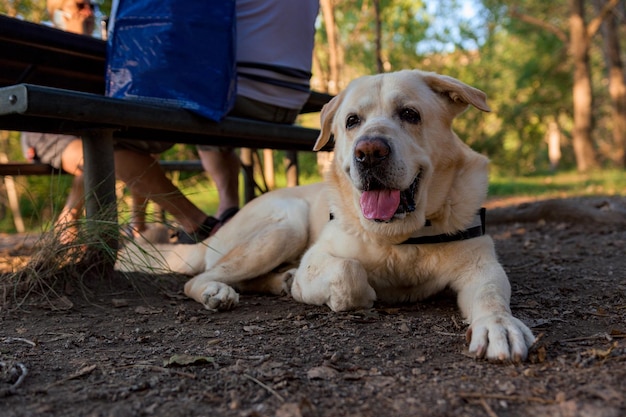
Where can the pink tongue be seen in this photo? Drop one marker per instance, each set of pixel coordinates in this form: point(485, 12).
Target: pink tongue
point(380, 204)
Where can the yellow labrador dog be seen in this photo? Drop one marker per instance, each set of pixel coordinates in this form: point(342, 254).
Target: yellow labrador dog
point(397, 218)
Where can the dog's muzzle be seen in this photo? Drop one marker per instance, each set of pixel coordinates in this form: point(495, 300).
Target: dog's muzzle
point(378, 201)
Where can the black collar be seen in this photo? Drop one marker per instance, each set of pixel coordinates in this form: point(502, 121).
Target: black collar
point(469, 233)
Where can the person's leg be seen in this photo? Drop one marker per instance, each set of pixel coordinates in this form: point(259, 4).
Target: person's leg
point(72, 163)
point(138, 213)
point(223, 167)
point(145, 178)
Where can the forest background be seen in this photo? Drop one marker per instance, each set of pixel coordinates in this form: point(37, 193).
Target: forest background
point(553, 72)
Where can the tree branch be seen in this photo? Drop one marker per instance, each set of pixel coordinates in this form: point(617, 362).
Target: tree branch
point(595, 24)
point(514, 12)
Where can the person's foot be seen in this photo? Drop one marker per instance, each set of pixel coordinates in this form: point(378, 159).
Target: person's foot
point(206, 229)
point(67, 234)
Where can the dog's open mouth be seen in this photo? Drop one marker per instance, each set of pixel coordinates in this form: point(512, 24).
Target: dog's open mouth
point(382, 205)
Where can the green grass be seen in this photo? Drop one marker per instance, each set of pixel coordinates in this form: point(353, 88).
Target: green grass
point(565, 184)
point(40, 204)
point(204, 194)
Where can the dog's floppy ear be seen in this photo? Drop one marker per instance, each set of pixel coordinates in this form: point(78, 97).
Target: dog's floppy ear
point(326, 120)
point(457, 91)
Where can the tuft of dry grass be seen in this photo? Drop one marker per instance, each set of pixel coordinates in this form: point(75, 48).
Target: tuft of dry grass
point(58, 269)
point(58, 265)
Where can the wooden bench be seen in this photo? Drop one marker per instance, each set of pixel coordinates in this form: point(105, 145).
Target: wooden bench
point(52, 81)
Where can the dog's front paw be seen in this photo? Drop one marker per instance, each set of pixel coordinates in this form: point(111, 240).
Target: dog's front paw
point(341, 285)
point(218, 296)
point(499, 337)
point(358, 295)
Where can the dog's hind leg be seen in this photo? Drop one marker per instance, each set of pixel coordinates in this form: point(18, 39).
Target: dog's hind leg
point(275, 283)
point(256, 241)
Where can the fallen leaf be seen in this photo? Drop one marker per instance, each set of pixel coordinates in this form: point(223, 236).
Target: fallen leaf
point(617, 333)
point(84, 371)
point(253, 328)
point(120, 302)
point(302, 409)
point(186, 360)
point(147, 310)
point(378, 382)
point(389, 311)
point(289, 410)
point(322, 372)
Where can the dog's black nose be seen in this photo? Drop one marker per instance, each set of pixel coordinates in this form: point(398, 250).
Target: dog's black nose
point(371, 151)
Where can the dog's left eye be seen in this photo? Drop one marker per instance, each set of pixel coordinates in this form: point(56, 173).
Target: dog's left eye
point(410, 115)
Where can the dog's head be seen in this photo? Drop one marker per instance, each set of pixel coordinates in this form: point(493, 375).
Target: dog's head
point(397, 154)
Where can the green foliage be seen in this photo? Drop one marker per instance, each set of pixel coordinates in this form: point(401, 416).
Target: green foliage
point(525, 70)
point(31, 10)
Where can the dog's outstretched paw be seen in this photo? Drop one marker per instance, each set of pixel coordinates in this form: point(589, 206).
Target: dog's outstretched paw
point(218, 296)
point(499, 337)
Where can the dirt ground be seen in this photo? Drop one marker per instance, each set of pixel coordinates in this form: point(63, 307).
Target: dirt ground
point(135, 346)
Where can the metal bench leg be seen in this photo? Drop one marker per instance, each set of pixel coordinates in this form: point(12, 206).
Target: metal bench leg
point(100, 199)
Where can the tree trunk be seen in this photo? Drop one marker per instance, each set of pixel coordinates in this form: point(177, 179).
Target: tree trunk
point(335, 63)
point(379, 56)
point(617, 86)
point(334, 54)
point(582, 92)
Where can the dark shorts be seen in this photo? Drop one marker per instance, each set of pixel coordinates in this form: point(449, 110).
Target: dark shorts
point(257, 110)
point(244, 107)
point(143, 146)
point(48, 147)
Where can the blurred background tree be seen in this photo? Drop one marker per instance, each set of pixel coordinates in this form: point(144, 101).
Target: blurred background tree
point(529, 57)
point(553, 71)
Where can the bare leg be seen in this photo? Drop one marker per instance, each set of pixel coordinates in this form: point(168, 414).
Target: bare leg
point(144, 176)
point(138, 213)
point(223, 168)
point(72, 162)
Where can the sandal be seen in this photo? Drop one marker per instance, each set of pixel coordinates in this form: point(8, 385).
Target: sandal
point(228, 214)
point(206, 229)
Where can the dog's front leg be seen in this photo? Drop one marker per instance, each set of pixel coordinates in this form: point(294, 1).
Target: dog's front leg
point(484, 300)
point(339, 283)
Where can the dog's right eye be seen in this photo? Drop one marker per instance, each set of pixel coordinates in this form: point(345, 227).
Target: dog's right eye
point(352, 121)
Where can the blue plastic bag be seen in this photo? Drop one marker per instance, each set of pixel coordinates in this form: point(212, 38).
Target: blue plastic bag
point(175, 52)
